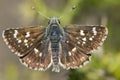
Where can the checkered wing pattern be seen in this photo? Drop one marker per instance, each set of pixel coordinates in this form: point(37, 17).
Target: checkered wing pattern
point(78, 42)
point(29, 45)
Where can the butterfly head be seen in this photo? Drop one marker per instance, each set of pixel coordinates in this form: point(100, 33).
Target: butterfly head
point(54, 20)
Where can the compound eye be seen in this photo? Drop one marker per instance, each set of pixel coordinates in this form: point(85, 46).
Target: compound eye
point(59, 21)
point(49, 22)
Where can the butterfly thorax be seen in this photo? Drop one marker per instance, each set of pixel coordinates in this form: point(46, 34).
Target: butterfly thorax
point(54, 34)
point(53, 31)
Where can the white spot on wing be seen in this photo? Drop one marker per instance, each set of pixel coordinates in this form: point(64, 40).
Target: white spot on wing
point(90, 38)
point(31, 44)
point(41, 65)
point(94, 30)
point(93, 36)
point(77, 38)
point(67, 41)
point(17, 53)
point(10, 46)
point(18, 45)
point(69, 53)
point(29, 61)
point(27, 34)
point(15, 33)
point(19, 41)
point(82, 58)
point(12, 50)
point(104, 38)
point(73, 62)
point(106, 31)
point(84, 39)
point(40, 54)
point(78, 42)
point(25, 41)
point(24, 63)
point(74, 49)
point(82, 32)
point(36, 50)
point(37, 64)
point(26, 44)
point(83, 42)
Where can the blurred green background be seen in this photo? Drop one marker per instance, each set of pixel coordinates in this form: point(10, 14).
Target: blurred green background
point(105, 63)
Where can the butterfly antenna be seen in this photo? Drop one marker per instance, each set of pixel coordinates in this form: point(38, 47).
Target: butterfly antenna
point(73, 8)
point(33, 8)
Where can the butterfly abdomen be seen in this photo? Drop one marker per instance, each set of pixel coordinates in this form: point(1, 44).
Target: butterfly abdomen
point(55, 57)
point(55, 53)
point(54, 39)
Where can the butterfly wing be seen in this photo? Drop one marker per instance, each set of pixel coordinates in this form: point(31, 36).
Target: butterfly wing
point(78, 42)
point(22, 40)
point(29, 44)
point(39, 58)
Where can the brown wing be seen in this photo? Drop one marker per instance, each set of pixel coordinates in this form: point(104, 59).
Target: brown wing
point(22, 40)
point(38, 59)
point(29, 44)
point(78, 42)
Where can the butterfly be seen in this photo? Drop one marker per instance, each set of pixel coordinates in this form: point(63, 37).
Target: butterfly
point(69, 47)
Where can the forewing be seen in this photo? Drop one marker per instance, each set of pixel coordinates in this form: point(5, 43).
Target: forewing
point(30, 45)
point(78, 42)
point(22, 40)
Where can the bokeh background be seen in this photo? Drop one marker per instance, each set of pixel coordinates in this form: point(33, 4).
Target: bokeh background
point(105, 63)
